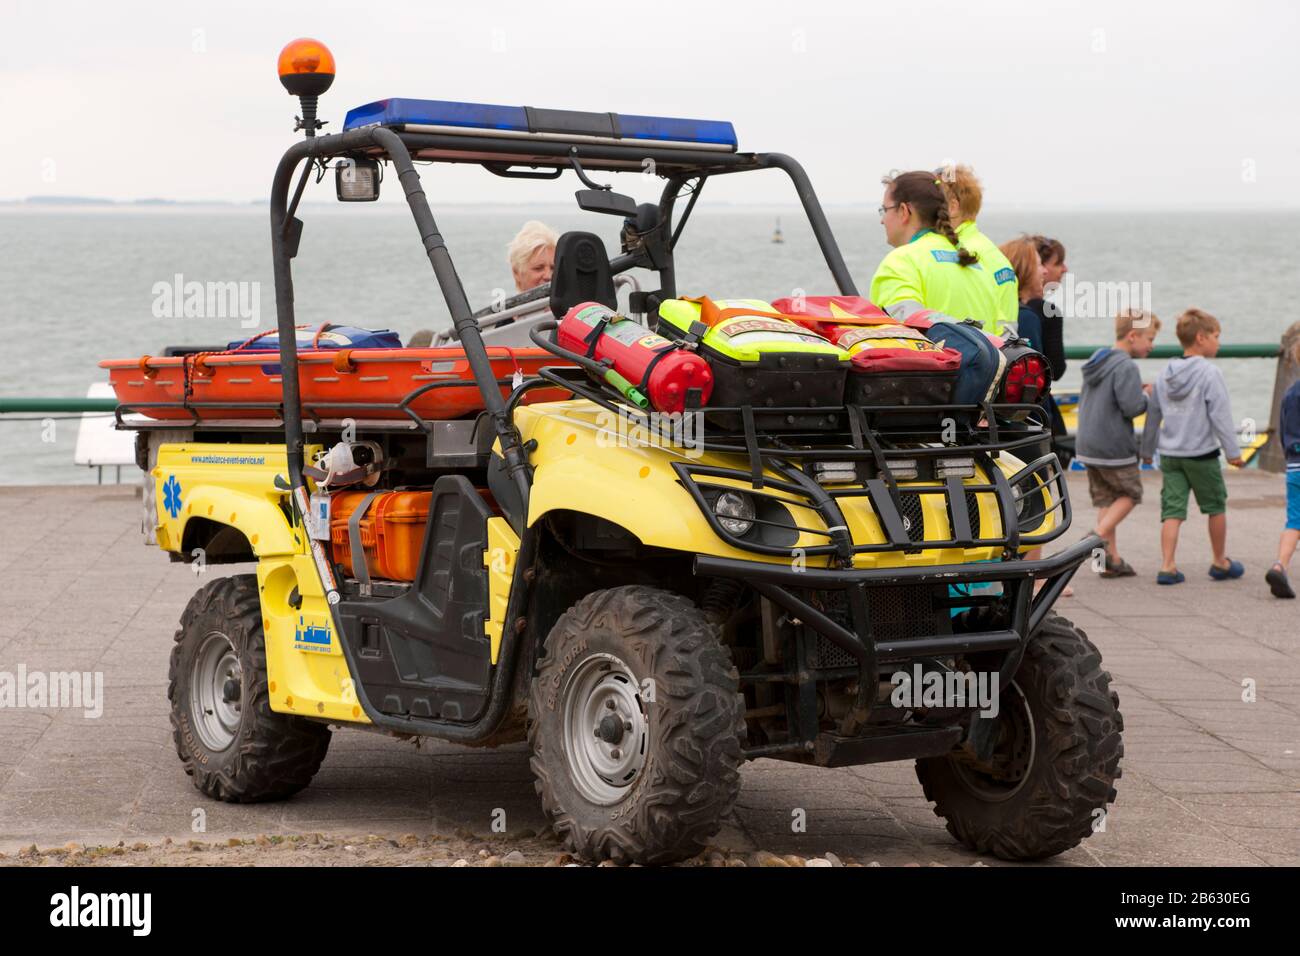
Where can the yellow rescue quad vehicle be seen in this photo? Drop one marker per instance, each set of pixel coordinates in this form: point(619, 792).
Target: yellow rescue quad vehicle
point(649, 608)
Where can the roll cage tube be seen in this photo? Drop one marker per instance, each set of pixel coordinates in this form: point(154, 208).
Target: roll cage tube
point(681, 166)
point(672, 192)
point(444, 271)
point(812, 208)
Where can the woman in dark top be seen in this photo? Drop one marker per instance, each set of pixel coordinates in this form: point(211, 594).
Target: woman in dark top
point(1052, 255)
point(1023, 255)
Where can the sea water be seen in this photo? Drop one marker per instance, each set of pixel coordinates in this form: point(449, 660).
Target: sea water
point(82, 284)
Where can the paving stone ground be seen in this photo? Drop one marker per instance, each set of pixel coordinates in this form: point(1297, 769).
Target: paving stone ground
point(1208, 779)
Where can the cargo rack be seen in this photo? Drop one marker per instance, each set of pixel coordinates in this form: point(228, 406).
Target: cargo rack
point(873, 452)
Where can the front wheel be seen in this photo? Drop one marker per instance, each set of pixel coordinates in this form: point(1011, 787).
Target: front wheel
point(234, 746)
point(1056, 757)
point(635, 723)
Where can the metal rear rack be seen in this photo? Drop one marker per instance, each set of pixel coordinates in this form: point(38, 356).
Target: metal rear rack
point(874, 453)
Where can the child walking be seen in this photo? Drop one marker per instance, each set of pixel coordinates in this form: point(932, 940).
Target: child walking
point(1289, 434)
point(1111, 397)
point(1189, 420)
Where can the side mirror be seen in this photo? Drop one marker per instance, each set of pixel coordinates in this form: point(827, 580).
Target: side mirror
point(357, 180)
point(606, 201)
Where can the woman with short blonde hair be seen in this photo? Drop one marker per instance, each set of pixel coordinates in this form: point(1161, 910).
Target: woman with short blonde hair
point(532, 255)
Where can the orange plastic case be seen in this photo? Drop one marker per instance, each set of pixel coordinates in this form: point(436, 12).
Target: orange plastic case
point(392, 532)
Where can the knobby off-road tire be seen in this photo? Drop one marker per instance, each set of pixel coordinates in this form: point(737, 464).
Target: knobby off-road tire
point(267, 756)
point(656, 786)
point(1070, 770)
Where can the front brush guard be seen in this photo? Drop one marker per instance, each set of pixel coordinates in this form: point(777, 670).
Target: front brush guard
point(776, 581)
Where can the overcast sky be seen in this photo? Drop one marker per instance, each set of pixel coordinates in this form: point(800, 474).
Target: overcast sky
point(1114, 104)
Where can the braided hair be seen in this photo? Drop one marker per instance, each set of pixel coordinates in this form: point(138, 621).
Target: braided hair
point(922, 192)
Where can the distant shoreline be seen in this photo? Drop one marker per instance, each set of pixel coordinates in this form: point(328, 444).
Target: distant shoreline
point(55, 204)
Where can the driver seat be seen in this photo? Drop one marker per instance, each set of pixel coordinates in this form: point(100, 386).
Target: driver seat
point(581, 273)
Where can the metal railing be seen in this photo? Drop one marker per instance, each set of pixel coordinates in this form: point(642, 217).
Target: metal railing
point(19, 405)
point(1232, 350)
point(1271, 457)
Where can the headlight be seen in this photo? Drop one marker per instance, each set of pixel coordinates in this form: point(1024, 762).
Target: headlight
point(1021, 500)
point(735, 512)
point(1029, 506)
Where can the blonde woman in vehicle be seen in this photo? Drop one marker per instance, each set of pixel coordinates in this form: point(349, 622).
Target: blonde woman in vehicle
point(532, 255)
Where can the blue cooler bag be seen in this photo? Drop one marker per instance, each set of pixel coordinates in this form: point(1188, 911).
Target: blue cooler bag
point(331, 337)
point(982, 362)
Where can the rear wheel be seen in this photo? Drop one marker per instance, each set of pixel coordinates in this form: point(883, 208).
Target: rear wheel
point(635, 723)
point(1056, 755)
point(234, 746)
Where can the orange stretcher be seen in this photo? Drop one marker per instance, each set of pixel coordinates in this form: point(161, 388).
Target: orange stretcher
point(433, 383)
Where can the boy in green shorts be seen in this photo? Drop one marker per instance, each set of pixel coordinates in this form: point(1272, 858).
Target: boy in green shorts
point(1188, 421)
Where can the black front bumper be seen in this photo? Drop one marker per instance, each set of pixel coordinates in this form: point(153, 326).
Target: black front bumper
point(780, 582)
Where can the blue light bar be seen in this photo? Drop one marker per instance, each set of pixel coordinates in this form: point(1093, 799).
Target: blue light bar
point(530, 122)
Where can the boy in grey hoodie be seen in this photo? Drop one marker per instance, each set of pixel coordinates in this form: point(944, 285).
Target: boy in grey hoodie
point(1189, 421)
point(1112, 396)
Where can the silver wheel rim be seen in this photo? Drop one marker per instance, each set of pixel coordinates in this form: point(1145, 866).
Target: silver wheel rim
point(216, 717)
point(606, 730)
point(1016, 769)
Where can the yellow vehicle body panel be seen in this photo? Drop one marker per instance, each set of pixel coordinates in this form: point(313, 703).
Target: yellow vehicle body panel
point(230, 484)
point(586, 460)
point(306, 671)
point(234, 485)
point(499, 559)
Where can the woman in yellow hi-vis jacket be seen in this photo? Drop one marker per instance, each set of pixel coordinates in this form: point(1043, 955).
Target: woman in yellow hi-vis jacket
point(928, 268)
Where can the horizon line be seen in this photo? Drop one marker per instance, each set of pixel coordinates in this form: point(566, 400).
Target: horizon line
point(72, 201)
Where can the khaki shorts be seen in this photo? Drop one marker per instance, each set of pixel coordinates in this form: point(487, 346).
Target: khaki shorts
point(1107, 484)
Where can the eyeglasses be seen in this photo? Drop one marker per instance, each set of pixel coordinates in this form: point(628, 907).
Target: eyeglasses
point(884, 209)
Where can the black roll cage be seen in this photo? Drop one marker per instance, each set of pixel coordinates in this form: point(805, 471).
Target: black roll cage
point(503, 158)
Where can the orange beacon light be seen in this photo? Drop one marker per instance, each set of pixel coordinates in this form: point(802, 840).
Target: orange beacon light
point(306, 68)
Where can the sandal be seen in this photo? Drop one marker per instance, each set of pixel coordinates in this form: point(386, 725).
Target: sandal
point(1278, 583)
point(1118, 569)
point(1235, 569)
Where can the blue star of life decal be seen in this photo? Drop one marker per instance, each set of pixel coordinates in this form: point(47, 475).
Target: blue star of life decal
point(172, 496)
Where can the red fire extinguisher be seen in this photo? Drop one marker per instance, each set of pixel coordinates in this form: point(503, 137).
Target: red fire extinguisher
point(644, 365)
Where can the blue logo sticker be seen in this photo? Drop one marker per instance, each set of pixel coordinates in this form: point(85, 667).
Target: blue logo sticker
point(943, 255)
point(1005, 275)
point(311, 637)
point(172, 496)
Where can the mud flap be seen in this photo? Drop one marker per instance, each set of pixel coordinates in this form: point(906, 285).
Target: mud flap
point(427, 653)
